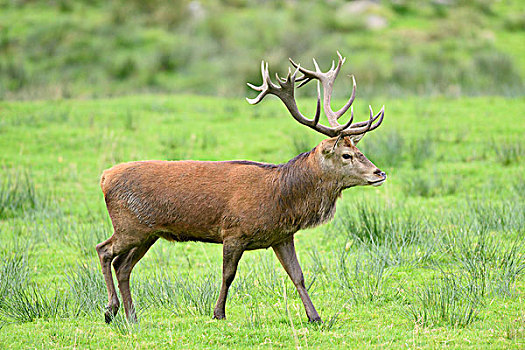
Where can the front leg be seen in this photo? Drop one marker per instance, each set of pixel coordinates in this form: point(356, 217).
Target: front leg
point(231, 254)
point(286, 254)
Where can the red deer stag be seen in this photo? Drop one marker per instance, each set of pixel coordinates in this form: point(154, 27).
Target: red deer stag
point(242, 204)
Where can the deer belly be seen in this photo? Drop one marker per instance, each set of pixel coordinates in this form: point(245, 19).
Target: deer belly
point(189, 237)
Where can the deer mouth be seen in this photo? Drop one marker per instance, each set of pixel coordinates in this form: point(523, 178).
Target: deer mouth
point(378, 182)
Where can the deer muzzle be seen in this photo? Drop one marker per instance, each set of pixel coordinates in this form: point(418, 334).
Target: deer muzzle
point(381, 175)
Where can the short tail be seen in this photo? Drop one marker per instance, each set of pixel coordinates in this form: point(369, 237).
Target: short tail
point(103, 183)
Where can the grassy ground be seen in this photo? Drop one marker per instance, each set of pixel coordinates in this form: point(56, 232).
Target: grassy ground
point(433, 258)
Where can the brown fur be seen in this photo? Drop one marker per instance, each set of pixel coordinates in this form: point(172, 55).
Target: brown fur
point(244, 205)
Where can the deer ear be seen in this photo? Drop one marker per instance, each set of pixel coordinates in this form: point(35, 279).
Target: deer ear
point(328, 146)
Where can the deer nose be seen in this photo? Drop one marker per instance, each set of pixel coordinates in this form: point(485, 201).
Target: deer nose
point(379, 172)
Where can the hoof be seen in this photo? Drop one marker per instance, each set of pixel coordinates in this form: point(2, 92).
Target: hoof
point(315, 320)
point(219, 316)
point(108, 317)
point(110, 313)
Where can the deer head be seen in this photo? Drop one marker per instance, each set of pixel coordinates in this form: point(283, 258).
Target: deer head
point(338, 157)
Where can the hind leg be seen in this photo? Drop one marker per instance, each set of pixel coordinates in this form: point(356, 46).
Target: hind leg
point(120, 243)
point(123, 265)
point(106, 256)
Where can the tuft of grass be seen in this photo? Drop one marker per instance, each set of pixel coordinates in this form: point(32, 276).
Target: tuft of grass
point(364, 279)
point(421, 150)
point(330, 321)
point(123, 69)
point(160, 290)
point(519, 187)
point(129, 122)
point(251, 311)
point(495, 266)
point(452, 300)
point(424, 184)
point(87, 288)
point(510, 265)
point(199, 294)
point(363, 222)
point(498, 66)
point(84, 238)
point(13, 275)
point(17, 74)
point(195, 294)
point(508, 152)
point(208, 141)
point(264, 277)
point(478, 268)
point(18, 194)
point(507, 216)
point(394, 235)
point(28, 303)
point(16, 247)
point(373, 223)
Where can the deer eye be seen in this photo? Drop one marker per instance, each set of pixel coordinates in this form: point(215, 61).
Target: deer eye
point(347, 156)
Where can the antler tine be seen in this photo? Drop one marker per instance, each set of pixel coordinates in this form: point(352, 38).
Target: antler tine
point(340, 63)
point(315, 120)
point(352, 130)
point(304, 79)
point(380, 114)
point(348, 123)
point(286, 79)
point(263, 88)
point(318, 108)
point(343, 109)
point(308, 74)
point(295, 65)
point(317, 69)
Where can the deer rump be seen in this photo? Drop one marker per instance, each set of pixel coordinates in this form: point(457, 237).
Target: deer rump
point(203, 201)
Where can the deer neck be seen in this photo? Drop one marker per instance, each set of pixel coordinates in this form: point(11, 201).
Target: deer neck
point(307, 197)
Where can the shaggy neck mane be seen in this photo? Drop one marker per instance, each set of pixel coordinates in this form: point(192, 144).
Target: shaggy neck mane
point(305, 198)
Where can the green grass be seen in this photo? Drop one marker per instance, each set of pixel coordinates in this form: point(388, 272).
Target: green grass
point(17, 194)
point(433, 258)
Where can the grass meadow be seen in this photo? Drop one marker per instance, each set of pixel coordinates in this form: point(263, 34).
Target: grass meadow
point(433, 258)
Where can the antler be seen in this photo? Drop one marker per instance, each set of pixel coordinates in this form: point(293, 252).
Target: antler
point(286, 93)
